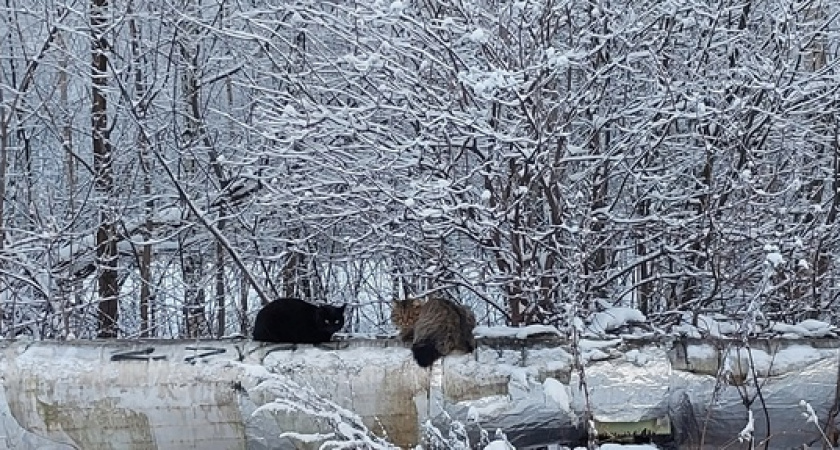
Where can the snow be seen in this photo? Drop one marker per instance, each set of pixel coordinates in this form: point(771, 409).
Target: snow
point(808, 412)
point(556, 392)
point(272, 408)
point(721, 326)
point(500, 442)
point(397, 7)
point(473, 414)
point(490, 406)
point(775, 259)
point(614, 318)
point(806, 328)
point(496, 331)
point(516, 332)
point(636, 357)
point(486, 83)
point(519, 387)
point(746, 434)
point(702, 352)
point(499, 445)
point(307, 438)
point(597, 350)
point(611, 446)
point(627, 447)
point(479, 35)
point(430, 213)
point(785, 360)
point(348, 129)
point(707, 325)
point(289, 111)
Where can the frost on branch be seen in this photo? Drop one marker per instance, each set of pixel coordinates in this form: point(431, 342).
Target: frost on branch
point(333, 426)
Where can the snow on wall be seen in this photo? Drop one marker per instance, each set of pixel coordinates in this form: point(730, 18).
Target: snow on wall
point(76, 397)
point(237, 394)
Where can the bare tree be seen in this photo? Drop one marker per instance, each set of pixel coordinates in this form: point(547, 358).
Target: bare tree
point(106, 240)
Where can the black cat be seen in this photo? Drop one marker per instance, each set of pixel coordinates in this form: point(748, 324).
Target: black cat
point(295, 321)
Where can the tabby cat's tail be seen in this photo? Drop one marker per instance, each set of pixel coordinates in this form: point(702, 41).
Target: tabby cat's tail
point(425, 352)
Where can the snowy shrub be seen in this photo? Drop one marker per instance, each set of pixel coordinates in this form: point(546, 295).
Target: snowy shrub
point(341, 428)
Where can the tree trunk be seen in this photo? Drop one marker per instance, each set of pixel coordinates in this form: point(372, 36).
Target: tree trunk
point(192, 261)
point(221, 319)
point(221, 291)
point(106, 244)
point(146, 162)
point(72, 286)
point(244, 289)
point(4, 151)
point(290, 274)
point(645, 289)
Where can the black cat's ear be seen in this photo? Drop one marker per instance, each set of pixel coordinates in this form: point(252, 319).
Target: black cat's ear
point(342, 307)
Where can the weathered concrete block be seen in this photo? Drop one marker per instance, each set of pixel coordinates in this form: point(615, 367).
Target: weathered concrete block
point(236, 394)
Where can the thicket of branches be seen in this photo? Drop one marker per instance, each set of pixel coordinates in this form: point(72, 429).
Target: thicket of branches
point(167, 166)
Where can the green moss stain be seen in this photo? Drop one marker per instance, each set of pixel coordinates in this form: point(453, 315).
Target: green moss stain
point(458, 387)
point(398, 418)
point(101, 425)
point(628, 431)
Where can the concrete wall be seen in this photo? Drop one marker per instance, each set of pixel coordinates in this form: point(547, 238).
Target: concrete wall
point(223, 394)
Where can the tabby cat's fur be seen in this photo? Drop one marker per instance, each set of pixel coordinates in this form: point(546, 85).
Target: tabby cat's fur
point(436, 328)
